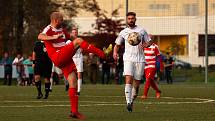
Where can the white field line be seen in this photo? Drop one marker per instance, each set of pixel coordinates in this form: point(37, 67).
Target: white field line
point(99, 103)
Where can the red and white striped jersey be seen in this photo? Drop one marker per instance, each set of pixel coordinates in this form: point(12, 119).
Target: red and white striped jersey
point(150, 55)
point(54, 45)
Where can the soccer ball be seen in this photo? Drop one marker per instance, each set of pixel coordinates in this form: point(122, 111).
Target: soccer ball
point(134, 38)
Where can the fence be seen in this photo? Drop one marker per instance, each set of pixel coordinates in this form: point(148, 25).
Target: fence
point(14, 73)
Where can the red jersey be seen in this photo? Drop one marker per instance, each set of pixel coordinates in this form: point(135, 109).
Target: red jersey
point(150, 55)
point(54, 45)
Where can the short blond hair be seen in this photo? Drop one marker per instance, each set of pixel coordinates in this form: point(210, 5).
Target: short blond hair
point(56, 15)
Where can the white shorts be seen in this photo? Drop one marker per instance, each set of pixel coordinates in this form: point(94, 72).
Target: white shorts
point(135, 69)
point(56, 69)
point(79, 64)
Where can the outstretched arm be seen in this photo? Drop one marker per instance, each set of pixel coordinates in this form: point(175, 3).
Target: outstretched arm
point(45, 37)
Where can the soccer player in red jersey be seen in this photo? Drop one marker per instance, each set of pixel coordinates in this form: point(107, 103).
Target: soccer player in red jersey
point(151, 53)
point(54, 37)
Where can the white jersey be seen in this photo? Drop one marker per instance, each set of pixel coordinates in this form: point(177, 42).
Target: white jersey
point(56, 69)
point(78, 60)
point(18, 60)
point(133, 53)
point(78, 54)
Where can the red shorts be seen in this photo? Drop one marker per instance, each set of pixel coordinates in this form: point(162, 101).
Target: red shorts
point(63, 59)
point(150, 73)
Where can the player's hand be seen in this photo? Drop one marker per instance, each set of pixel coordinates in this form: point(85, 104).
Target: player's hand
point(145, 44)
point(115, 56)
point(33, 65)
point(57, 36)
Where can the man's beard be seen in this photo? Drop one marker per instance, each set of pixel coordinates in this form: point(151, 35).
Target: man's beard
point(131, 24)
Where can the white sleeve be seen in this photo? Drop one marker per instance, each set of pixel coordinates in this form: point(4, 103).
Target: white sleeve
point(68, 41)
point(46, 29)
point(15, 61)
point(21, 59)
point(119, 40)
point(53, 67)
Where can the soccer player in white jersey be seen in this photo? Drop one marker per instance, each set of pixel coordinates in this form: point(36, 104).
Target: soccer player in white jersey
point(133, 58)
point(78, 60)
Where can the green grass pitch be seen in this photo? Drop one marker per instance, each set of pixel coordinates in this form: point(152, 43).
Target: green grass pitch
point(178, 102)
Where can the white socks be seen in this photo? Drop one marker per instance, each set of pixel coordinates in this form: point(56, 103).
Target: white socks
point(51, 83)
point(79, 85)
point(134, 93)
point(128, 92)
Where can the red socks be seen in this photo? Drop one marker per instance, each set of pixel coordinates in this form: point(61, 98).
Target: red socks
point(92, 49)
point(146, 87)
point(154, 86)
point(148, 84)
point(73, 100)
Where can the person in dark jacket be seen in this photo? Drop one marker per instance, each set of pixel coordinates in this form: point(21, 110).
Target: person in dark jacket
point(7, 62)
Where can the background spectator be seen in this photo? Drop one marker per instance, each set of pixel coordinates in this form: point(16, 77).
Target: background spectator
point(19, 68)
point(106, 64)
point(7, 62)
point(29, 62)
point(168, 64)
point(119, 67)
point(93, 62)
point(159, 74)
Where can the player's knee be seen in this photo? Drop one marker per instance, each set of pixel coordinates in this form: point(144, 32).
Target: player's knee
point(128, 79)
point(72, 83)
point(72, 80)
point(150, 77)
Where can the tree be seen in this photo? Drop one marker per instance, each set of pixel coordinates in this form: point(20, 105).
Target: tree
point(36, 16)
point(108, 27)
point(6, 24)
point(22, 20)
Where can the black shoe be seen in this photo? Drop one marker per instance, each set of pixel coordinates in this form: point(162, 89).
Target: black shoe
point(78, 93)
point(39, 96)
point(46, 96)
point(50, 90)
point(67, 88)
point(129, 107)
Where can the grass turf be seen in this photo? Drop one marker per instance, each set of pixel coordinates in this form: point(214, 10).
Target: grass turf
point(179, 102)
